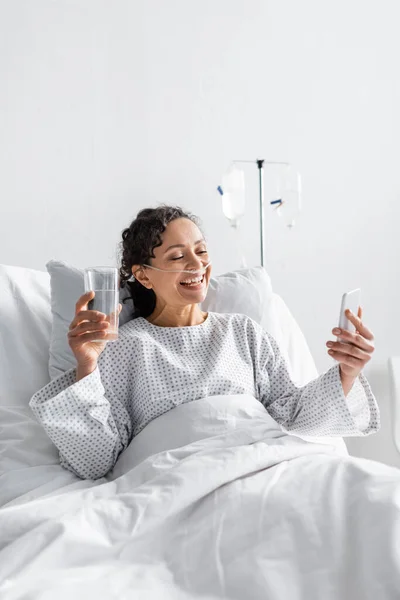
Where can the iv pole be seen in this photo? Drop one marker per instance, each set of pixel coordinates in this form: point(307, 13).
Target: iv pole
point(260, 165)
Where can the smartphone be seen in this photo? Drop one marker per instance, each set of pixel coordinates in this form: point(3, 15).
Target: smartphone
point(350, 300)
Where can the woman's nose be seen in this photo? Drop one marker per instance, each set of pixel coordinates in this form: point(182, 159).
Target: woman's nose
point(195, 263)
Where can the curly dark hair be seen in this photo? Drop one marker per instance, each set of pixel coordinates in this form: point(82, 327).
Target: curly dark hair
point(137, 248)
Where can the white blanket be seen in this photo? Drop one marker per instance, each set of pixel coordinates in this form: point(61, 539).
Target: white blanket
point(211, 500)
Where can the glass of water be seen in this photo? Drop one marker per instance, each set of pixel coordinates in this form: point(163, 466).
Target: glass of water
point(103, 281)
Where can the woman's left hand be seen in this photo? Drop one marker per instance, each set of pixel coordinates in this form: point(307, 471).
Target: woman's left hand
point(355, 349)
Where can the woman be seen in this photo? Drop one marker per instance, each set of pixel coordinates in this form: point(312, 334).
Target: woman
point(174, 353)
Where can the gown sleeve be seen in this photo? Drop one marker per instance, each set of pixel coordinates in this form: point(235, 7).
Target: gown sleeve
point(318, 408)
point(85, 419)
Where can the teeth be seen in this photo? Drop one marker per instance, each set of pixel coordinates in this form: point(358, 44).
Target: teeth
point(197, 280)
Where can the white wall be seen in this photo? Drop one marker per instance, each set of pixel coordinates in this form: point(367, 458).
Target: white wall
point(106, 107)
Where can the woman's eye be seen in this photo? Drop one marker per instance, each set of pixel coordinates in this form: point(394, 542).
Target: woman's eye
point(180, 257)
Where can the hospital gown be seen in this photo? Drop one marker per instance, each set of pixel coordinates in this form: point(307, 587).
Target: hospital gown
point(151, 369)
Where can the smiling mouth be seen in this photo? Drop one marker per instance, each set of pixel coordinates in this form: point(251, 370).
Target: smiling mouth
point(193, 282)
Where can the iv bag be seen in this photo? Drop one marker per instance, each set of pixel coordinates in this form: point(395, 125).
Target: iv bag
point(290, 195)
point(233, 197)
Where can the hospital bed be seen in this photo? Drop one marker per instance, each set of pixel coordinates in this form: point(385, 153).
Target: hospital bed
point(210, 500)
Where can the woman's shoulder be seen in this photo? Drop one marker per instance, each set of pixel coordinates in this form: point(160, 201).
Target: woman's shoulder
point(235, 320)
point(243, 325)
point(133, 325)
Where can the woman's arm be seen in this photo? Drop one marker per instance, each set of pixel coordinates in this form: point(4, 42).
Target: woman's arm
point(319, 408)
point(85, 420)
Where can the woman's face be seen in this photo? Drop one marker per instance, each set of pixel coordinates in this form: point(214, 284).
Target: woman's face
point(183, 247)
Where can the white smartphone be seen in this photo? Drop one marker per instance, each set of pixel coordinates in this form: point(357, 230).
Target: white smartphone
point(350, 300)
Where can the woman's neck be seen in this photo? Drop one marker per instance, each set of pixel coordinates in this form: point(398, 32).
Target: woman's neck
point(177, 317)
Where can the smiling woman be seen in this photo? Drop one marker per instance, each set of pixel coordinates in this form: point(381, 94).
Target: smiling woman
point(166, 252)
point(174, 353)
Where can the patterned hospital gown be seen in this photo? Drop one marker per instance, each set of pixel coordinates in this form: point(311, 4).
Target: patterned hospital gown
point(151, 369)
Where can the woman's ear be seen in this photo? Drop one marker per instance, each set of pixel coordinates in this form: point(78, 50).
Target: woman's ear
point(140, 275)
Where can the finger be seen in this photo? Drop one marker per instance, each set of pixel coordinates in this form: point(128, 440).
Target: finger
point(92, 336)
point(87, 326)
point(356, 339)
point(350, 350)
point(359, 315)
point(87, 315)
point(345, 359)
point(364, 331)
point(83, 301)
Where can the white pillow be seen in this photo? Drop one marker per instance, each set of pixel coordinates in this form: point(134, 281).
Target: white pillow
point(25, 327)
point(247, 292)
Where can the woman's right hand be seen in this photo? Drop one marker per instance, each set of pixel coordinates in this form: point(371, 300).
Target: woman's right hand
point(87, 325)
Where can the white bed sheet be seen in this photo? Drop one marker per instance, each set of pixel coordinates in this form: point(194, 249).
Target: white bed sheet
point(210, 500)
